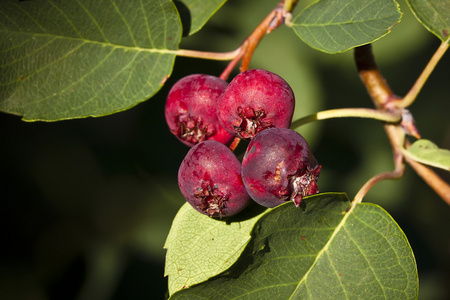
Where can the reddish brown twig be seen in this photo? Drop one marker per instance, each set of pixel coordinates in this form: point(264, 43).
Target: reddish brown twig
point(384, 99)
point(272, 21)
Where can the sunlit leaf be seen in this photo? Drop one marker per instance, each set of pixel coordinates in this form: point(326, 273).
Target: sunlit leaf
point(321, 250)
point(338, 25)
point(73, 59)
point(434, 16)
point(426, 152)
point(199, 247)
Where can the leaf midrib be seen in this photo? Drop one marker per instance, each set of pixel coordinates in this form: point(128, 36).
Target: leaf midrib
point(87, 41)
point(341, 23)
point(323, 250)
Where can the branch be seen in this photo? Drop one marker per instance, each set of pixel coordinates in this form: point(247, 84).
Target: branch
point(376, 85)
point(384, 98)
point(441, 187)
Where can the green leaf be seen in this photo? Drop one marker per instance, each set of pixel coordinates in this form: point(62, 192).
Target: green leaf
point(434, 16)
point(334, 26)
point(73, 59)
point(426, 152)
point(199, 247)
point(322, 250)
point(197, 13)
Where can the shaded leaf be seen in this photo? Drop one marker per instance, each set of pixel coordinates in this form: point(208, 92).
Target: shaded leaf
point(199, 247)
point(426, 152)
point(319, 251)
point(434, 16)
point(197, 12)
point(335, 26)
point(73, 59)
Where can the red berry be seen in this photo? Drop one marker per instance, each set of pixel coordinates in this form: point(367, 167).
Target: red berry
point(278, 166)
point(210, 180)
point(255, 100)
point(191, 109)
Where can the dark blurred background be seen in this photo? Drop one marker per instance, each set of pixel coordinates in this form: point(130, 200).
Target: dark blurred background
point(86, 204)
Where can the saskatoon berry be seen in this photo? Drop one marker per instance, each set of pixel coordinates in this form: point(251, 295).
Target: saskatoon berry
point(191, 109)
point(210, 180)
point(255, 100)
point(278, 166)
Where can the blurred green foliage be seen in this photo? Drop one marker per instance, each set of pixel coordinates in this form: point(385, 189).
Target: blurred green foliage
point(86, 204)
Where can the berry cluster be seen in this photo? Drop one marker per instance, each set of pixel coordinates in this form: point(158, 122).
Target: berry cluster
point(205, 113)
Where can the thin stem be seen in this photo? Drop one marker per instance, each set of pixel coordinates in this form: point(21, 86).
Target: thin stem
point(418, 85)
point(394, 174)
point(289, 5)
point(273, 20)
point(234, 143)
point(226, 73)
point(385, 116)
point(245, 52)
point(209, 55)
point(384, 98)
point(441, 187)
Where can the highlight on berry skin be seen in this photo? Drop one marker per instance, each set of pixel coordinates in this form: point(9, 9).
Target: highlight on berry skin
point(278, 166)
point(190, 109)
point(210, 180)
point(253, 101)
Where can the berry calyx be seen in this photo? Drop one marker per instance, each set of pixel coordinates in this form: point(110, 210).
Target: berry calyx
point(278, 166)
point(253, 101)
point(210, 179)
point(191, 109)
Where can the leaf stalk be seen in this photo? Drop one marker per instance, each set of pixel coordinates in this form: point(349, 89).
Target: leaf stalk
point(385, 116)
point(209, 55)
point(420, 82)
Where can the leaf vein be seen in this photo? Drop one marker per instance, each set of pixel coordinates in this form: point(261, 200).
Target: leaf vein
point(99, 28)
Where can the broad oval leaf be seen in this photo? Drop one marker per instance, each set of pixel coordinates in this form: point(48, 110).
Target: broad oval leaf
point(196, 13)
point(73, 59)
point(322, 250)
point(334, 26)
point(199, 247)
point(426, 152)
point(434, 16)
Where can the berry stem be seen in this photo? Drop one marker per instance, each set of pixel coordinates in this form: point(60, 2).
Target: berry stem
point(418, 85)
point(234, 143)
point(272, 21)
point(385, 116)
point(226, 73)
point(245, 52)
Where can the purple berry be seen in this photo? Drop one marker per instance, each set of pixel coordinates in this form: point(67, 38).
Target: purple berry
point(278, 166)
point(191, 109)
point(255, 100)
point(210, 180)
